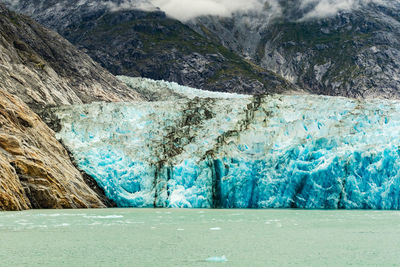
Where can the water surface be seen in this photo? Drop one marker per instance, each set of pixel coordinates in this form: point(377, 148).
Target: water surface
point(169, 237)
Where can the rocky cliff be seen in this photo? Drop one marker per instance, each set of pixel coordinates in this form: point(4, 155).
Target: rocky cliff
point(349, 52)
point(38, 68)
point(36, 171)
point(349, 49)
point(42, 68)
point(149, 44)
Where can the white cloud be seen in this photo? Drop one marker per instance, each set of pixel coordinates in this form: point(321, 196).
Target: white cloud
point(188, 9)
point(129, 4)
point(327, 8)
point(185, 10)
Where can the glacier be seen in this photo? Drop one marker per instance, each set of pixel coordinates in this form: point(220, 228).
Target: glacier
point(188, 148)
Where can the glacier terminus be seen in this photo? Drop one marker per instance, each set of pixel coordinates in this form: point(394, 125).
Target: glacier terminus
point(190, 148)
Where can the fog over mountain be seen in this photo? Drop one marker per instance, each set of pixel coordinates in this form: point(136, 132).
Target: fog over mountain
point(188, 9)
point(326, 8)
point(331, 47)
point(185, 10)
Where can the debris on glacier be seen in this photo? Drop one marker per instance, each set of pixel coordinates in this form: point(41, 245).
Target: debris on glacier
point(196, 149)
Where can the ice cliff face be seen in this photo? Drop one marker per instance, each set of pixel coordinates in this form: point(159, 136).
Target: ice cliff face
point(202, 150)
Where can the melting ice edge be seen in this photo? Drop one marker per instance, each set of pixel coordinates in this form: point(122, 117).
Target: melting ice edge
point(198, 149)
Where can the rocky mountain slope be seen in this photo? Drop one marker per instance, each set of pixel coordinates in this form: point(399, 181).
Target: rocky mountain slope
point(38, 68)
point(42, 68)
point(353, 52)
point(149, 44)
point(35, 169)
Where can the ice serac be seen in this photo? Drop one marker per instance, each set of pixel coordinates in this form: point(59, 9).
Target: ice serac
point(201, 150)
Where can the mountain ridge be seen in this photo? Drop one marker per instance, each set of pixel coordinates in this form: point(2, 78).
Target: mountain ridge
point(152, 45)
point(353, 53)
point(42, 68)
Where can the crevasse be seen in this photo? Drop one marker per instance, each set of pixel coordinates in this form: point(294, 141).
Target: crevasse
point(207, 150)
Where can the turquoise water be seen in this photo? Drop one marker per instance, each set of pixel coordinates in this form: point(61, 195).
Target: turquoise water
point(169, 237)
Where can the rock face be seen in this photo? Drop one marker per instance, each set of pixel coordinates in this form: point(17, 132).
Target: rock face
point(36, 171)
point(42, 68)
point(38, 68)
point(149, 44)
point(351, 53)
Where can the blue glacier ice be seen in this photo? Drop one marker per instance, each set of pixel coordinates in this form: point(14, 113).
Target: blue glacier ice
point(197, 149)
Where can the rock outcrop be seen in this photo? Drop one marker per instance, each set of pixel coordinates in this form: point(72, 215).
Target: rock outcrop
point(35, 169)
point(38, 68)
point(352, 53)
point(42, 68)
point(149, 44)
